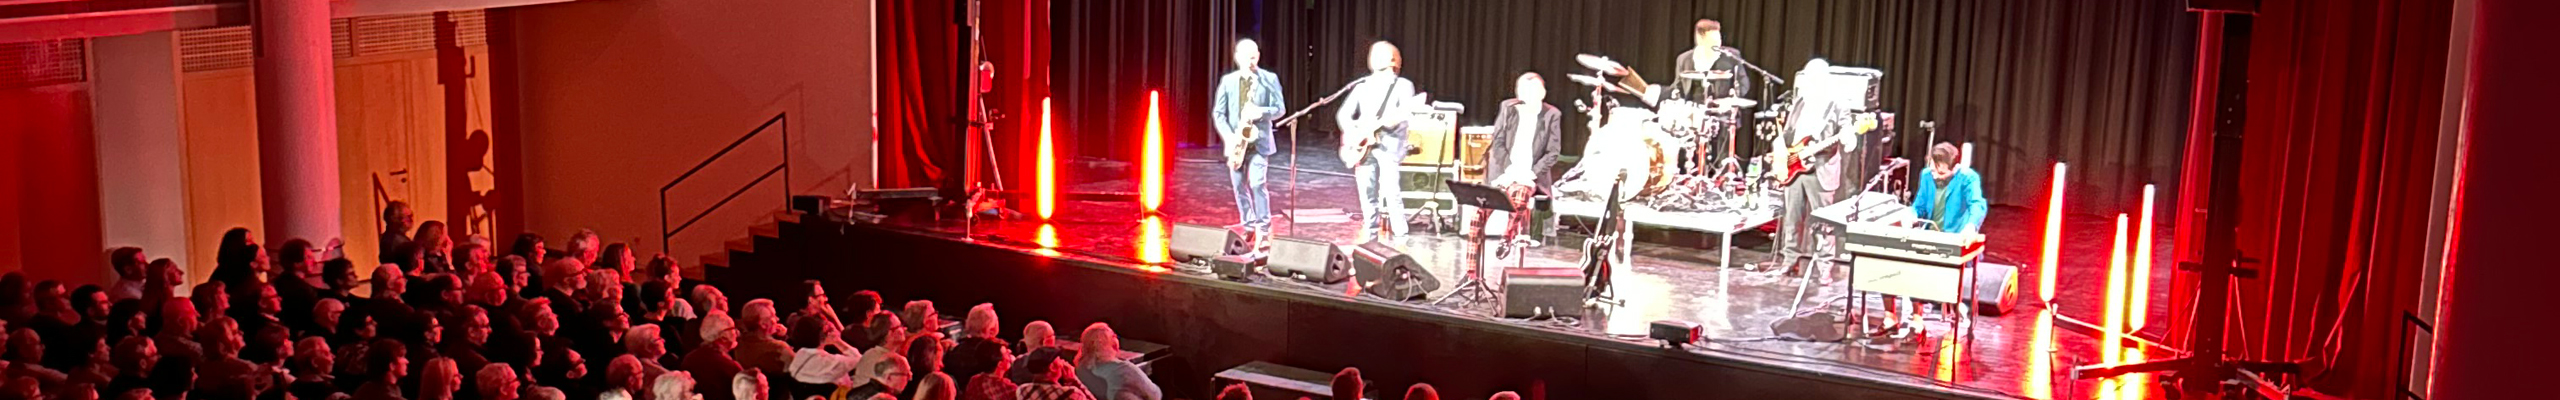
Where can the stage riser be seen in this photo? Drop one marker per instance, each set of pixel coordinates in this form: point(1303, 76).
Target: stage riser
point(1214, 325)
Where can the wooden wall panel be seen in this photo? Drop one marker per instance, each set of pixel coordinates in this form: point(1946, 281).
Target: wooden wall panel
point(221, 131)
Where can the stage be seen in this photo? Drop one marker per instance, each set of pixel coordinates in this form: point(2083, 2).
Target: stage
point(1675, 276)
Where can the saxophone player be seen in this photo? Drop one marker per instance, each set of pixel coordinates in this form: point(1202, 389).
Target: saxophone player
point(1248, 101)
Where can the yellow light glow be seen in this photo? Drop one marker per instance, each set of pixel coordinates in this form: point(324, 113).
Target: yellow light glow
point(2141, 306)
point(1151, 246)
point(1151, 169)
point(2052, 235)
point(2110, 346)
point(1047, 170)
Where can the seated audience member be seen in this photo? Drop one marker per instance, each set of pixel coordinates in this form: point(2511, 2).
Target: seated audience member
point(396, 220)
point(891, 338)
point(1235, 392)
point(1505, 396)
point(324, 318)
point(129, 265)
point(1347, 385)
point(163, 282)
point(1102, 370)
point(1421, 391)
point(977, 330)
point(211, 300)
point(174, 378)
point(719, 336)
point(222, 365)
point(643, 343)
point(822, 362)
point(238, 259)
point(564, 369)
point(1048, 378)
point(920, 316)
point(178, 324)
point(297, 279)
point(313, 362)
point(672, 386)
point(340, 275)
point(1035, 336)
point(440, 379)
point(888, 377)
point(386, 361)
point(134, 358)
point(749, 385)
point(435, 248)
point(26, 358)
point(545, 393)
point(466, 343)
point(985, 385)
point(496, 381)
point(705, 300)
point(622, 378)
point(759, 345)
point(925, 363)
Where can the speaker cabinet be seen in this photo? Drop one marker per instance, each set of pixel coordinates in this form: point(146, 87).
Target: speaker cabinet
point(1198, 243)
point(1387, 272)
point(1995, 288)
point(1309, 260)
point(1542, 292)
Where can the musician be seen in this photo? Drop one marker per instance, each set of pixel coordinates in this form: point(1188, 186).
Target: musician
point(1951, 200)
point(1379, 100)
point(1721, 65)
point(1526, 137)
point(1249, 98)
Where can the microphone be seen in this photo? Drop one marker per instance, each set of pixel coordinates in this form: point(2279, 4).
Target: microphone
point(1729, 50)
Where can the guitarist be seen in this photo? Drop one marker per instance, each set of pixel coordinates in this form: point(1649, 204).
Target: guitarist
point(1374, 116)
point(1248, 101)
point(1819, 153)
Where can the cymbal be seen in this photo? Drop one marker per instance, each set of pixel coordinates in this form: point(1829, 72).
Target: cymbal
point(1602, 64)
point(1735, 102)
point(1586, 80)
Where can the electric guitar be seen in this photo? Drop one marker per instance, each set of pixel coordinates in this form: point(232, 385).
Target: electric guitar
point(1793, 156)
point(1359, 137)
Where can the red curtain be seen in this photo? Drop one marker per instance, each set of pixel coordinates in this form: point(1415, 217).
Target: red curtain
point(916, 68)
point(2342, 112)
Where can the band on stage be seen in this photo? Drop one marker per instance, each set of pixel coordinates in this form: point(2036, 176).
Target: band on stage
point(1673, 146)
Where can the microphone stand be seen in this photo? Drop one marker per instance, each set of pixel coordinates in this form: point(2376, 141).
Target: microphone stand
point(1291, 124)
point(1764, 74)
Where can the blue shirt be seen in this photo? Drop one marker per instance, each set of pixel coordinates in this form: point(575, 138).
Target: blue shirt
point(1962, 208)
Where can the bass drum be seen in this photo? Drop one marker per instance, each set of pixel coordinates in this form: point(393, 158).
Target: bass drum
point(1634, 147)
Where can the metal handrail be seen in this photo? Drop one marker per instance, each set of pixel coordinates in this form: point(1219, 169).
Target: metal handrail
point(667, 234)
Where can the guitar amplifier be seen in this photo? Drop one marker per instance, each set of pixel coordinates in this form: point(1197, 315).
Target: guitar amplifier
point(1541, 292)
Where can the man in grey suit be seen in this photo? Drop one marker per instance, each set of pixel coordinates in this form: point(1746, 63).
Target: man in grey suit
point(1381, 100)
point(1248, 98)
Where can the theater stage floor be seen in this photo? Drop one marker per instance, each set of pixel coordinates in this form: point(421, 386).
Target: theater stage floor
point(2023, 354)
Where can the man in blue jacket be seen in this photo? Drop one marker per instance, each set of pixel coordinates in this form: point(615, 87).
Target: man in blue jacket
point(1951, 199)
point(1248, 101)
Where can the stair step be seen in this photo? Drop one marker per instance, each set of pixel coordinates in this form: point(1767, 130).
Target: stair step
point(790, 216)
point(746, 244)
point(713, 260)
point(771, 229)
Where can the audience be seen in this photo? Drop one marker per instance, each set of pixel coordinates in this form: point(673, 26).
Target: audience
point(290, 323)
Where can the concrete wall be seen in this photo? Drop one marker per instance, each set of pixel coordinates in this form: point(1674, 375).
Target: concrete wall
point(621, 97)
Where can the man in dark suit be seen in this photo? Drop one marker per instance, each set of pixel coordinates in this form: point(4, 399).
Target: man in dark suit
point(1721, 66)
point(1521, 157)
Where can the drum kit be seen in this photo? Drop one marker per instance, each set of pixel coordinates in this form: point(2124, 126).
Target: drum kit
point(1676, 154)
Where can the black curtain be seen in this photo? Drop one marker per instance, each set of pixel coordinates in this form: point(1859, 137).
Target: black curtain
point(2100, 84)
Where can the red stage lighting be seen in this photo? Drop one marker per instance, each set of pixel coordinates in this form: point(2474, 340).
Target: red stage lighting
point(1047, 172)
point(2111, 346)
point(1151, 241)
point(2141, 278)
point(2052, 235)
point(1151, 170)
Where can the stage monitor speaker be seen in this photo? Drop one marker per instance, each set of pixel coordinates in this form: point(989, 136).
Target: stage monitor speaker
point(1541, 292)
point(1676, 332)
point(1233, 267)
point(1198, 243)
point(1385, 271)
point(1308, 260)
point(1995, 288)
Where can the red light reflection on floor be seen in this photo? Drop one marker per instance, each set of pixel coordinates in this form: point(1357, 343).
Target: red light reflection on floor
point(2038, 382)
point(1151, 238)
point(1048, 239)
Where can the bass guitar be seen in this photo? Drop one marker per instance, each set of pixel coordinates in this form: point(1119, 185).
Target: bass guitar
point(1792, 157)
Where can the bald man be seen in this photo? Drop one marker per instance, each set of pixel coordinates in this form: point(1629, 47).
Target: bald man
point(1247, 103)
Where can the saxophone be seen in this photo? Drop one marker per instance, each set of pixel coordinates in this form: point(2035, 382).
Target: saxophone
point(1245, 134)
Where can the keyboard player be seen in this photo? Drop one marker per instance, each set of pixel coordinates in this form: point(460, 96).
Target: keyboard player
point(1951, 201)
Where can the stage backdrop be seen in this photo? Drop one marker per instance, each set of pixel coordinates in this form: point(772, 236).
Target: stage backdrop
point(2101, 84)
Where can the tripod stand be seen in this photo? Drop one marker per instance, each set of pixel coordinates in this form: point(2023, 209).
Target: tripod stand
point(1473, 287)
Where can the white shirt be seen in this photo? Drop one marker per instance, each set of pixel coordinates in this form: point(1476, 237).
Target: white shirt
point(1524, 143)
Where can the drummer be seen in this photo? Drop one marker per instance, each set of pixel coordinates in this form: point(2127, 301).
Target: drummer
point(1709, 71)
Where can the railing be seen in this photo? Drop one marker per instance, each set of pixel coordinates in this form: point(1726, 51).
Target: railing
point(667, 234)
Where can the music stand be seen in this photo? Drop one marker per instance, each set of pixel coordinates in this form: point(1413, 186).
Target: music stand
point(1473, 287)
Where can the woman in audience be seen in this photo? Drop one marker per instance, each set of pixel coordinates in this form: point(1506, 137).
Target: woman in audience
point(439, 380)
point(822, 362)
point(924, 360)
point(160, 282)
point(990, 384)
point(239, 259)
point(672, 386)
point(340, 279)
point(212, 300)
point(435, 249)
point(645, 344)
